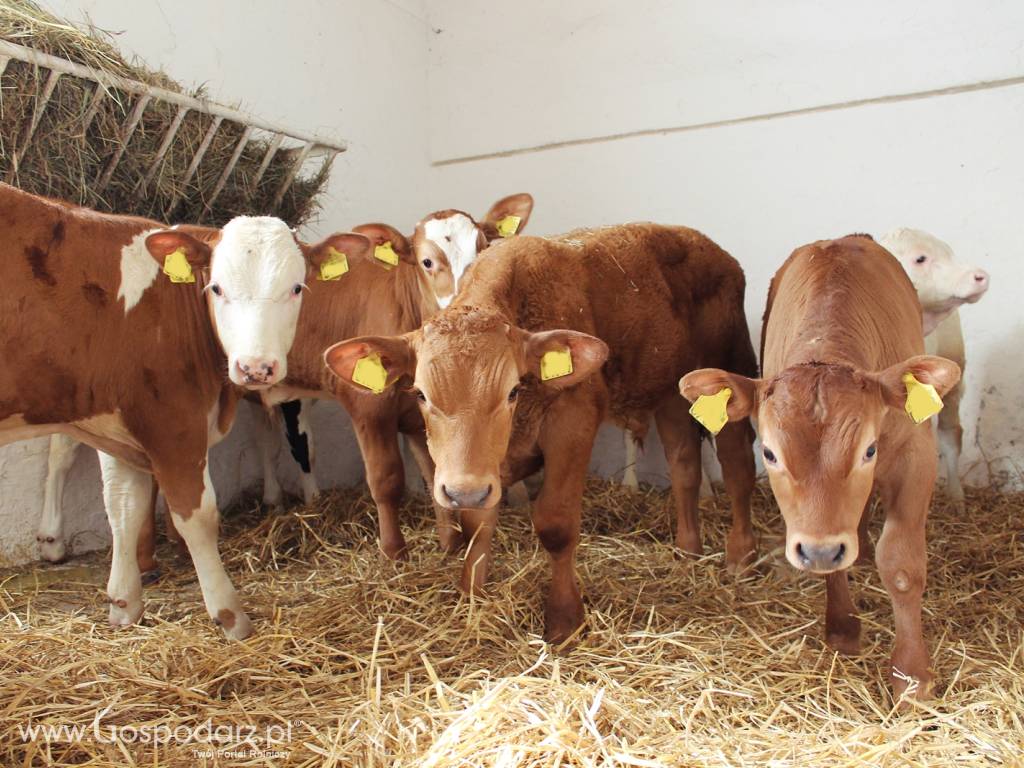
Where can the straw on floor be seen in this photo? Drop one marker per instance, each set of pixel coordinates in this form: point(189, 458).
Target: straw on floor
point(359, 661)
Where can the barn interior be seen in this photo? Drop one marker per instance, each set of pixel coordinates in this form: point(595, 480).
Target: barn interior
point(764, 126)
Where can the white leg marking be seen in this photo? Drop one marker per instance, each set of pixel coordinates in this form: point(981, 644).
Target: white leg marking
point(629, 473)
point(269, 442)
point(949, 451)
point(709, 466)
point(200, 534)
point(51, 526)
point(126, 493)
point(310, 489)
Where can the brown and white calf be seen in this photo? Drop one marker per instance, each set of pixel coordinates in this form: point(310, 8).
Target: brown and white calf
point(942, 286)
point(842, 330)
point(632, 307)
point(102, 347)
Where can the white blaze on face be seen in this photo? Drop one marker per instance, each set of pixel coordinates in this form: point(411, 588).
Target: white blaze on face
point(456, 235)
point(941, 283)
point(256, 276)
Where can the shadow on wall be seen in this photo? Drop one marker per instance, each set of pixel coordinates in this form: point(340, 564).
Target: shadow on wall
point(998, 430)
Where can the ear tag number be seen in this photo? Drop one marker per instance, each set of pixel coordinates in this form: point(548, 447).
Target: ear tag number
point(555, 364)
point(177, 268)
point(508, 226)
point(923, 401)
point(371, 373)
point(334, 266)
point(711, 411)
point(385, 253)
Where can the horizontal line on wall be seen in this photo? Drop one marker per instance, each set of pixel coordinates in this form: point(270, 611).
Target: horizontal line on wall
point(898, 97)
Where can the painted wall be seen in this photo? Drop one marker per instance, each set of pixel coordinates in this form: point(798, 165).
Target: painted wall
point(670, 111)
point(355, 70)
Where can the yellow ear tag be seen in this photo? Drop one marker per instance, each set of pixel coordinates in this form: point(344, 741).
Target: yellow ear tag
point(712, 410)
point(177, 268)
point(371, 373)
point(923, 401)
point(508, 226)
point(334, 266)
point(555, 364)
point(386, 253)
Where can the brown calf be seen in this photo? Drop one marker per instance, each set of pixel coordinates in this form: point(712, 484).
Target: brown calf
point(636, 304)
point(842, 329)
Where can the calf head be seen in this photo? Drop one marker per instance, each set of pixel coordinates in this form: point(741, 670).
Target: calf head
point(253, 272)
point(445, 243)
point(466, 368)
point(941, 283)
point(822, 429)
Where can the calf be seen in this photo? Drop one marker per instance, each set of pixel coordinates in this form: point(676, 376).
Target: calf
point(842, 335)
point(144, 366)
point(942, 286)
point(547, 339)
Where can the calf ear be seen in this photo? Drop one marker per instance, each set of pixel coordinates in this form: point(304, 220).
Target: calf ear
point(572, 356)
point(379, 234)
point(507, 217)
point(941, 373)
point(394, 353)
point(710, 381)
point(165, 242)
point(349, 243)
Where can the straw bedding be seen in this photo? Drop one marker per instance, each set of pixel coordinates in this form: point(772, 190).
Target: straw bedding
point(375, 663)
point(64, 162)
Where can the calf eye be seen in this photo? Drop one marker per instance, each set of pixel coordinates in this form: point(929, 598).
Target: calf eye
point(428, 263)
point(768, 455)
point(513, 394)
point(216, 289)
point(297, 289)
point(921, 259)
point(871, 451)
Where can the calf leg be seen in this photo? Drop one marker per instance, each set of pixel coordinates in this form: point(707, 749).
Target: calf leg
point(385, 474)
point(447, 532)
point(951, 436)
point(126, 491)
point(300, 440)
point(901, 558)
point(566, 442)
point(735, 447)
point(842, 626)
point(199, 528)
point(629, 479)
point(51, 526)
point(266, 436)
point(681, 440)
point(145, 549)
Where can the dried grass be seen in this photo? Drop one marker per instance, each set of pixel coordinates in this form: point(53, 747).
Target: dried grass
point(63, 161)
point(376, 663)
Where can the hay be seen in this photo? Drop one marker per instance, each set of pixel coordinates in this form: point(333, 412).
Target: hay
point(380, 664)
point(64, 162)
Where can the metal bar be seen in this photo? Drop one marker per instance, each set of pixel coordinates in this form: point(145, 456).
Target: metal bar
point(94, 106)
point(275, 145)
point(292, 173)
point(232, 161)
point(132, 86)
point(126, 135)
point(37, 114)
point(194, 165)
point(172, 131)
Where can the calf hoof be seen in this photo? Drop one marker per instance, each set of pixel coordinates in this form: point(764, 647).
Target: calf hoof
point(689, 545)
point(560, 626)
point(740, 552)
point(235, 624)
point(273, 502)
point(124, 613)
point(152, 576)
point(918, 687)
point(395, 550)
point(845, 641)
point(51, 549)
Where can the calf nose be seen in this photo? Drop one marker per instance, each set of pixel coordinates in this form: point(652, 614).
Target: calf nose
point(981, 278)
point(257, 370)
point(466, 497)
point(821, 558)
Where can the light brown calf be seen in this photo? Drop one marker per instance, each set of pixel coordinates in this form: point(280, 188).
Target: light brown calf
point(100, 346)
point(842, 329)
point(634, 306)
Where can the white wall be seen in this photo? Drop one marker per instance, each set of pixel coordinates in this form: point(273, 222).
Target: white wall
point(355, 70)
point(551, 73)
